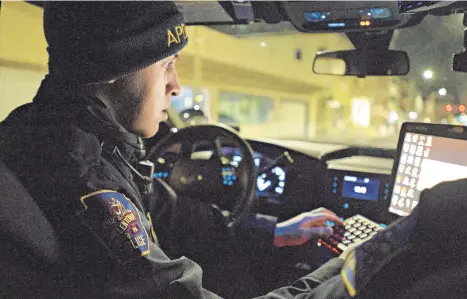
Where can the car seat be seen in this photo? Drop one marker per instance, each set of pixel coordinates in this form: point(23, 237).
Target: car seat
point(30, 259)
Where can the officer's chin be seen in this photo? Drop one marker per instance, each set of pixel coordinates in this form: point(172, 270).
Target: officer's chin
point(150, 131)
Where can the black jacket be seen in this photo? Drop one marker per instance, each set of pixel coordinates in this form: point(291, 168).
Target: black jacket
point(61, 148)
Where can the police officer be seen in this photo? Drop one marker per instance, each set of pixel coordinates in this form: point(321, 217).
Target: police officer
point(111, 75)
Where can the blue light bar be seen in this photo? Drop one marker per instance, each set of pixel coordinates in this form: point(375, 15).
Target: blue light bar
point(335, 25)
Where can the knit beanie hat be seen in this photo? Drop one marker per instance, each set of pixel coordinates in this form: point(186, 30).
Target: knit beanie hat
point(95, 42)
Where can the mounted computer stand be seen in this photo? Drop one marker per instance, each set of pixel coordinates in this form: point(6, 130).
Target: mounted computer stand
point(459, 60)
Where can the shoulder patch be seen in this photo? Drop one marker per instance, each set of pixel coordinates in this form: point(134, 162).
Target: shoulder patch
point(116, 222)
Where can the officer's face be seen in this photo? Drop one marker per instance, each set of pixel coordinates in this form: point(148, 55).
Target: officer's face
point(143, 97)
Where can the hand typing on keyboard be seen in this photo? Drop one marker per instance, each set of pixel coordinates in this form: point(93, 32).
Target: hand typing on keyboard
point(354, 231)
point(300, 229)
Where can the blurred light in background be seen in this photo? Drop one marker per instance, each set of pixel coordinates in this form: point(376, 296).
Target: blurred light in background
point(393, 117)
point(442, 92)
point(448, 108)
point(461, 108)
point(199, 98)
point(333, 104)
point(413, 115)
point(462, 118)
point(361, 112)
point(427, 74)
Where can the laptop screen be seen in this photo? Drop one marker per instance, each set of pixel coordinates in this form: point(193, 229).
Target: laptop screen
point(423, 162)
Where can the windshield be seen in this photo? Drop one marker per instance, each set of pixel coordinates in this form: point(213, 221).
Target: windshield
point(259, 77)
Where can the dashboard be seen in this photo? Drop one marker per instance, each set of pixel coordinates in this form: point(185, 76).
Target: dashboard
point(291, 180)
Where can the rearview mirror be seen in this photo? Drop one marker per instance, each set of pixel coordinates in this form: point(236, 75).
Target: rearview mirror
point(362, 63)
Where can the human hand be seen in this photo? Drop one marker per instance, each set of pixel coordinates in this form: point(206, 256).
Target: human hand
point(300, 229)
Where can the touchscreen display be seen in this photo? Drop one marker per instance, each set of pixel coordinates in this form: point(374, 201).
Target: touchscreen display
point(360, 188)
point(424, 162)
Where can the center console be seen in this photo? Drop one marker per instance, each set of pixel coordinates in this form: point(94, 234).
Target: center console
point(359, 193)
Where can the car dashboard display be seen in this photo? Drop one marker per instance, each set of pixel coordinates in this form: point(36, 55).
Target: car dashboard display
point(359, 193)
point(271, 179)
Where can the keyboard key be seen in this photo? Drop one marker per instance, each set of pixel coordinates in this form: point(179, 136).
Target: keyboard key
point(356, 233)
point(352, 229)
point(350, 222)
point(371, 225)
point(356, 225)
point(372, 233)
point(368, 230)
point(357, 240)
point(346, 242)
point(360, 220)
point(347, 234)
point(363, 236)
point(351, 237)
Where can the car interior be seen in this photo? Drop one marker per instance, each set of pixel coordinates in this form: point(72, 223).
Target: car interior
point(369, 178)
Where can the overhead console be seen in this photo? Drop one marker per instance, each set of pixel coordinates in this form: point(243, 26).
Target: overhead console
point(324, 16)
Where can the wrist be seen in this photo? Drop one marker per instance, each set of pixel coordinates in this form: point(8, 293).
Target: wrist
point(278, 237)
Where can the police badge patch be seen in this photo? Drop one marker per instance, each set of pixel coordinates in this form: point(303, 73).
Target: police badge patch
point(116, 222)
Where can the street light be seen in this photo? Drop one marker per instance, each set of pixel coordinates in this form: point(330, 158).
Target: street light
point(427, 74)
point(442, 91)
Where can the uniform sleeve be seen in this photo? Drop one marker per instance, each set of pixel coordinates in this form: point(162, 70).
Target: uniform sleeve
point(138, 267)
point(324, 283)
point(188, 226)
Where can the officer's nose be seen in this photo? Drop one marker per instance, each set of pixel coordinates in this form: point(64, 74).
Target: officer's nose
point(173, 87)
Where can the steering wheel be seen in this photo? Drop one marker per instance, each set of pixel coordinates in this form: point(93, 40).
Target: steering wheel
point(213, 179)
